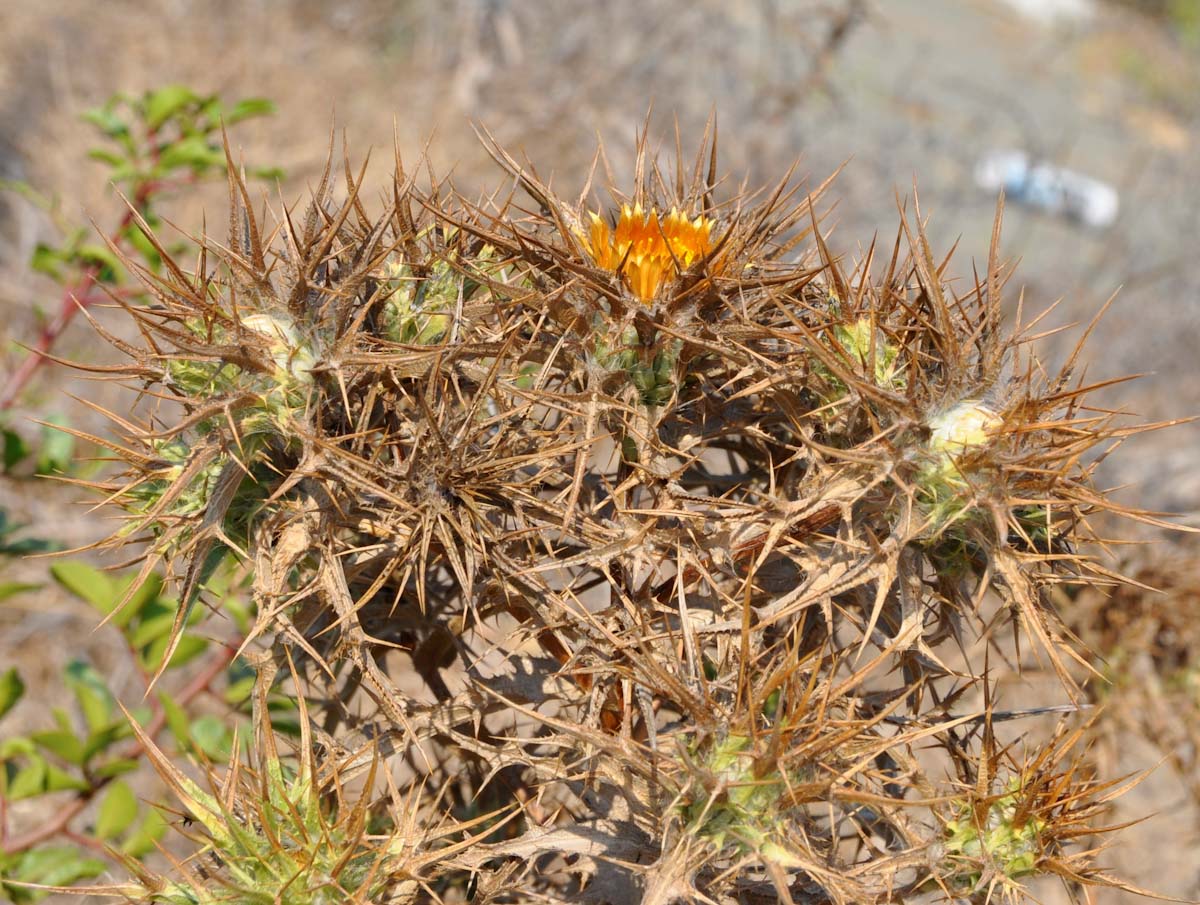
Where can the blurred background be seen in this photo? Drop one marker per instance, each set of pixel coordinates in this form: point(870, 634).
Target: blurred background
point(1087, 110)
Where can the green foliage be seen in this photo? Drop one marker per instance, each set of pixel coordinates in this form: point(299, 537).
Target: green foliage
point(15, 448)
point(52, 450)
point(160, 142)
point(48, 865)
point(145, 613)
point(78, 752)
point(168, 130)
point(76, 253)
point(118, 809)
point(11, 689)
point(57, 447)
point(88, 746)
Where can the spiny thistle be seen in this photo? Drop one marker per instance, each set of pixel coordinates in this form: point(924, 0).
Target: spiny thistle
point(683, 527)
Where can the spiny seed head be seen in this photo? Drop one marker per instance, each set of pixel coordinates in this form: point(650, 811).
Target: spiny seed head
point(865, 345)
point(952, 472)
point(964, 426)
point(293, 355)
point(416, 310)
point(733, 800)
point(996, 837)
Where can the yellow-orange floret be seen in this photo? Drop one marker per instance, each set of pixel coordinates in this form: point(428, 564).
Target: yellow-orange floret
point(648, 251)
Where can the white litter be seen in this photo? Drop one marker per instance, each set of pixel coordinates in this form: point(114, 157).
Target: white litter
point(1049, 188)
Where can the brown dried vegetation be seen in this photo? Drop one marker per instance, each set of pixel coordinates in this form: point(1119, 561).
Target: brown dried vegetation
point(685, 584)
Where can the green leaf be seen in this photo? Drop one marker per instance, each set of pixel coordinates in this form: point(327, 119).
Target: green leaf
point(30, 780)
point(285, 724)
point(156, 619)
point(117, 811)
point(146, 592)
point(105, 262)
point(57, 447)
point(104, 737)
point(106, 120)
point(141, 841)
point(87, 583)
point(128, 172)
point(143, 245)
point(16, 747)
point(13, 588)
point(189, 647)
point(61, 742)
point(112, 158)
point(159, 106)
point(58, 780)
point(237, 610)
point(177, 720)
point(193, 151)
point(20, 547)
point(212, 736)
point(249, 107)
point(239, 692)
point(118, 767)
point(269, 174)
point(15, 449)
point(57, 865)
point(11, 689)
point(48, 260)
point(62, 719)
point(211, 110)
point(95, 700)
point(28, 545)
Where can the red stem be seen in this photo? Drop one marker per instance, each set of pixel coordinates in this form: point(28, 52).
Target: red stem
point(22, 375)
point(88, 842)
point(74, 297)
point(80, 294)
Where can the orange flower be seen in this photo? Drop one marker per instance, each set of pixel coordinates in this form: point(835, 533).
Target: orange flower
point(647, 251)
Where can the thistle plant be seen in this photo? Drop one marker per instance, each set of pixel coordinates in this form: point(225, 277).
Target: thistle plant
point(646, 546)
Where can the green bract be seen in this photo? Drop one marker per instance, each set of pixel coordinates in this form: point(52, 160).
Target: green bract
point(994, 840)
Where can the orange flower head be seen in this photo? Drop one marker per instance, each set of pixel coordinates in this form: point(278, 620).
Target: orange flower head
point(648, 251)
